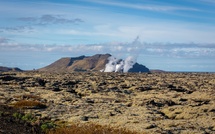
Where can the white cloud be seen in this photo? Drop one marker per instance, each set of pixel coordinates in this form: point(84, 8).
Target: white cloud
point(167, 56)
point(17, 29)
point(102, 25)
point(164, 49)
point(3, 40)
point(143, 7)
point(148, 32)
point(47, 19)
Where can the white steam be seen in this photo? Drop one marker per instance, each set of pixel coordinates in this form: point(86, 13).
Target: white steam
point(118, 65)
point(111, 65)
point(129, 62)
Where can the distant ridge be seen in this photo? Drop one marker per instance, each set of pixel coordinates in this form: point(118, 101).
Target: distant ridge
point(86, 63)
point(61, 64)
point(157, 71)
point(7, 69)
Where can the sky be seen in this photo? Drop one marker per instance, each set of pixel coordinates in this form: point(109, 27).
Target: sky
point(171, 35)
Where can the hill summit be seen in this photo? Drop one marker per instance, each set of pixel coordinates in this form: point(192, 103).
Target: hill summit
point(7, 69)
point(98, 62)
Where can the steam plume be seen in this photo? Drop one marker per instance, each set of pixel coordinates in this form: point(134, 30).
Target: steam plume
point(129, 62)
point(118, 65)
point(111, 65)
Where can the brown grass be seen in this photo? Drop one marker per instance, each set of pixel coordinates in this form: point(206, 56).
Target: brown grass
point(29, 104)
point(28, 96)
point(89, 128)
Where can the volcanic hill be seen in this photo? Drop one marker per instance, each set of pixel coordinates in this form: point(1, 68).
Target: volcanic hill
point(86, 63)
point(6, 69)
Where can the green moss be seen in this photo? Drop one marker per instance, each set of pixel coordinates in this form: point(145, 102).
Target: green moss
point(1, 113)
point(17, 115)
point(28, 117)
point(47, 125)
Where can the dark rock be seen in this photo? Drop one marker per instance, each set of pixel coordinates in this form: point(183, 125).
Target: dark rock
point(111, 114)
point(153, 103)
point(8, 78)
point(127, 91)
point(117, 110)
point(56, 89)
point(201, 102)
point(169, 132)
point(56, 83)
point(41, 82)
point(189, 92)
point(171, 87)
point(151, 126)
point(71, 91)
point(138, 68)
point(170, 103)
point(89, 101)
point(212, 110)
point(71, 83)
point(142, 89)
point(182, 99)
point(102, 83)
point(84, 118)
point(179, 89)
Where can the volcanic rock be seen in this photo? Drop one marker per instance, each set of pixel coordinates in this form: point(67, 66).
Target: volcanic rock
point(138, 68)
point(145, 103)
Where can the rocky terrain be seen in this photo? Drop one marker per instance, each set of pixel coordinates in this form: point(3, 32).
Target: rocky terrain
point(141, 102)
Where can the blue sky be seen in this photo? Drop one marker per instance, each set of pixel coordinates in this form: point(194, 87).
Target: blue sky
point(173, 35)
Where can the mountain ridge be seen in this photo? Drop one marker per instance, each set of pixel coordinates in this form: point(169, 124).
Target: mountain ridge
point(86, 63)
point(7, 69)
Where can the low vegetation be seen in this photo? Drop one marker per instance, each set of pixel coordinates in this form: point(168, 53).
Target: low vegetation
point(29, 104)
point(50, 127)
point(149, 103)
point(27, 96)
point(89, 128)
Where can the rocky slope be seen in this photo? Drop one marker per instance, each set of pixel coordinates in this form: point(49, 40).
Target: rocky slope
point(83, 63)
point(6, 69)
point(142, 102)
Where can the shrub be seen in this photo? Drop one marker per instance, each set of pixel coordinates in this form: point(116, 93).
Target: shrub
point(27, 117)
point(30, 96)
point(1, 113)
point(17, 115)
point(47, 126)
point(29, 104)
point(89, 129)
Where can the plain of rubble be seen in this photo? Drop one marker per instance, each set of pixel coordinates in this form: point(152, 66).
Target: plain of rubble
point(141, 102)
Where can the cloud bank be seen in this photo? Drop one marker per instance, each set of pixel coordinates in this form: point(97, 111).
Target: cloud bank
point(50, 19)
point(167, 56)
point(30, 27)
point(139, 6)
point(118, 48)
point(3, 40)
